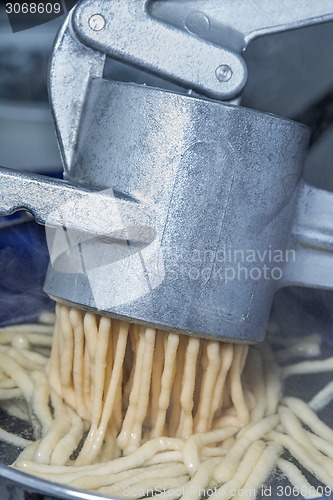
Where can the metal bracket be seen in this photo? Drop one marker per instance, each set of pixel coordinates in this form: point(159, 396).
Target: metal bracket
point(312, 239)
point(125, 30)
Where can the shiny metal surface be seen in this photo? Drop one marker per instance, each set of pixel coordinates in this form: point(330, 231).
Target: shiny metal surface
point(16, 485)
point(72, 65)
point(204, 179)
point(235, 24)
point(131, 34)
point(312, 239)
point(56, 203)
point(210, 61)
point(221, 176)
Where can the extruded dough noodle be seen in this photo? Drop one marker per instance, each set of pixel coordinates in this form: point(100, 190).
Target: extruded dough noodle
point(227, 351)
point(201, 481)
point(70, 473)
point(255, 373)
point(293, 427)
point(302, 456)
point(59, 427)
point(318, 366)
point(204, 417)
point(146, 478)
point(185, 428)
point(98, 374)
point(156, 379)
point(296, 477)
point(125, 409)
point(143, 400)
point(194, 444)
point(70, 441)
point(272, 378)
point(9, 437)
point(244, 468)
point(309, 418)
point(323, 398)
point(40, 400)
point(128, 476)
point(321, 444)
point(254, 432)
point(78, 361)
point(112, 390)
point(261, 470)
point(10, 394)
point(13, 370)
point(166, 384)
point(236, 388)
point(175, 406)
point(299, 347)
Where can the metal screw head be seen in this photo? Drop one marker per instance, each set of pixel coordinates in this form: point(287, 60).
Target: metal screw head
point(223, 73)
point(96, 22)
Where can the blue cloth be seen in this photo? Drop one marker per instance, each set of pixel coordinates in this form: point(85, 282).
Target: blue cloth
point(23, 263)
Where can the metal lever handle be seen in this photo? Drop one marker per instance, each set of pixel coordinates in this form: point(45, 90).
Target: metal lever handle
point(236, 23)
point(56, 203)
point(312, 239)
point(72, 67)
point(211, 64)
point(125, 30)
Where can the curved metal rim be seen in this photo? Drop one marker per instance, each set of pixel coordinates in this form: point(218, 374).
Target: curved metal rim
point(207, 100)
point(57, 490)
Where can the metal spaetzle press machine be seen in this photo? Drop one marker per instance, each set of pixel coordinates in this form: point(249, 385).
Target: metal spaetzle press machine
point(179, 209)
